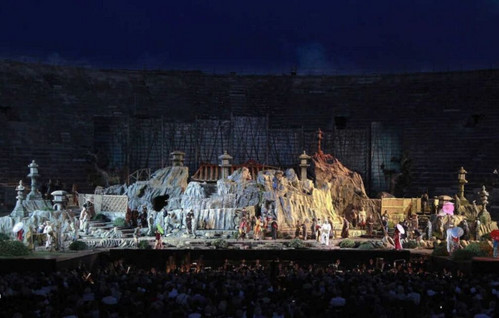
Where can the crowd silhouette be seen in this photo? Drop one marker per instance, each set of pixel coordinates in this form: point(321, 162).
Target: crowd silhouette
point(251, 289)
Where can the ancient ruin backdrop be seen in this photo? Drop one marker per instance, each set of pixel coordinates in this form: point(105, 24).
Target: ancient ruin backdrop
point(73, 120)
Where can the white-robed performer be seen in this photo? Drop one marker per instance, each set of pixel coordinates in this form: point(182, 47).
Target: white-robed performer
point(325, 231)
point(47, 230)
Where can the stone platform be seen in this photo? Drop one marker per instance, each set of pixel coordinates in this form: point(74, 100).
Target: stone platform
point(47, 262)
point(197, 250)
point(485, 265)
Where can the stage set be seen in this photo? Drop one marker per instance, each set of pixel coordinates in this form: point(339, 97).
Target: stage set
point(247, 241)
point(318, 212)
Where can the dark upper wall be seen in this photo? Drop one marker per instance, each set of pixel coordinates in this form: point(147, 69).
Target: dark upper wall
point(442, 120)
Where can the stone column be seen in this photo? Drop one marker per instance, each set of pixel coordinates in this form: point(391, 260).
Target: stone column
point(34, 194)
point(304, 158)
point(225, 164)
point(177, 158)
point(19, 210)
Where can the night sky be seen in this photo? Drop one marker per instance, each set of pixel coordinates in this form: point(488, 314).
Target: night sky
point(270, 36)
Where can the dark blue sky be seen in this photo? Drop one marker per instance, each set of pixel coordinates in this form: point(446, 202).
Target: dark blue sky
point(272, 36)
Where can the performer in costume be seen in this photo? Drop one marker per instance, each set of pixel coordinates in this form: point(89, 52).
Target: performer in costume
point(496, 246)
point(257, 229)
point(304, 229)
point(325, 230)
point(47, 230)
point(345, 230)
point(158, 244)
point(297, 229)
point(20, 235)
point(274, 227)
point(396, 239)
point(242, 229)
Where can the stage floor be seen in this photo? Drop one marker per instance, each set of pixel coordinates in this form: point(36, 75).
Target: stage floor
point(249, 250)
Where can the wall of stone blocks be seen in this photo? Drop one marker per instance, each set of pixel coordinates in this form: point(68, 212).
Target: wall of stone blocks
point(59, 115)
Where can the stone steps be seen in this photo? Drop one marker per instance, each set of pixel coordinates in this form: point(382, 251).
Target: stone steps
point(94, 225)
point(107, 226)
point(215, 233)
point(127, 233)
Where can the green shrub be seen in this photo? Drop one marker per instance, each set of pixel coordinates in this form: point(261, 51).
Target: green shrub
point(440, 251)
point(100, 217)
point(13, 248)
point(475, 249)
point(480, 249)
point(144, 245)
point(78, 246)
point(4, 237)
point(119, 222)
point(366, 246)
point(410, 244)
point(463, 255)
point(220, 243)
point(347, 243)
point(296, 243)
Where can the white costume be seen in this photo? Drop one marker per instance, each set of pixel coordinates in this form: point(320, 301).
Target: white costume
point(150, 223)
point(362, 218)
point(325, 231)
point(48, 231)
point(83, 220)
point(166, 223)
point(194, 225)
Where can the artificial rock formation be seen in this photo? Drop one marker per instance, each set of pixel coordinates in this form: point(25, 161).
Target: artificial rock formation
point(169, 181)
point(274, 194)
point(62, 222)
point(346, 186)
